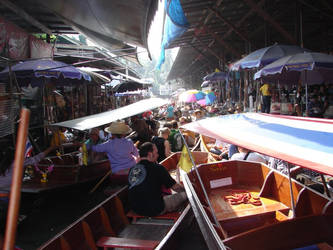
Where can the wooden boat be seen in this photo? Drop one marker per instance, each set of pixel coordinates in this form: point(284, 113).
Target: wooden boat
point(112, 225)
point(58, 172)
point(248, 205)
point(63, 171)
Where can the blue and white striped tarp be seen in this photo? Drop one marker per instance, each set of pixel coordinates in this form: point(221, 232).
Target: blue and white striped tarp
point(303, 141)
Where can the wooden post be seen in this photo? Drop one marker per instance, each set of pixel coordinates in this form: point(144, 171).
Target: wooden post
point(15, 193)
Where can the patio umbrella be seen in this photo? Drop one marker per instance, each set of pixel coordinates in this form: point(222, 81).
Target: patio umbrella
point(129, 86)
point(202, 102)
point(216, 76)
point(189, 96)
point(33, 71)
point(205, 84)
point(310, 68)
point(264, 56)
point(200, 95)
point(210, 98)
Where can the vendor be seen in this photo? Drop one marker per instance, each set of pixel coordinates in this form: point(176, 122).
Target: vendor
point(121, 151)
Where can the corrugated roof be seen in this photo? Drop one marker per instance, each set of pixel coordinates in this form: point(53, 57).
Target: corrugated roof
point(223, 31)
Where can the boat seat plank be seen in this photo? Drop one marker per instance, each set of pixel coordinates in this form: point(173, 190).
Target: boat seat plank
point(224, 211)
point(149, 231)
point(168, 216)
point(112, 242)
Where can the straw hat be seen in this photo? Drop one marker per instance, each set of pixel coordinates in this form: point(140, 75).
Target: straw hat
point(118, 128)
point(197, 111)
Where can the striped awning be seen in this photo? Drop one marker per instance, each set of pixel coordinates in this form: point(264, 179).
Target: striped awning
point(303, 141)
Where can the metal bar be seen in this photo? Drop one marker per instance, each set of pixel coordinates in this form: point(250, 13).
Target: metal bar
point(222, 42)
point(268, 18)
point(230, 25)
point(325, 185)
point(20, 12)
point(15, 189)
point(197, 172)
point(291, 192)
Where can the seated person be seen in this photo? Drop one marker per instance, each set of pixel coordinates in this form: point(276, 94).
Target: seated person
point(121, 151)
point(190, 136)
point(103, 135)
point(146, 180)
point(162, 143)
point(58, 137)
point(220, 149)
point(143, 133)
point(247, 155)
point(94, 139)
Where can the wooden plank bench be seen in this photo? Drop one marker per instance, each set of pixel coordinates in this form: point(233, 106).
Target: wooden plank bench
point(113, 242)
point(168, 216)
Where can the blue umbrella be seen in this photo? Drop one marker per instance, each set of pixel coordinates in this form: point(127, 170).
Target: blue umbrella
point(45, 68)
point(216, 76)
point(267, 55)
point(210, 98)
point(200, 95)
point(310, 68)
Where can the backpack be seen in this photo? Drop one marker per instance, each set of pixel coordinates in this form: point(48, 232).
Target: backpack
point(177, 142)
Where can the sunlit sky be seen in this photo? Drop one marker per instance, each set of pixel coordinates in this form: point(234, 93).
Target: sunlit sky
point(156, 30)
point(154, 36)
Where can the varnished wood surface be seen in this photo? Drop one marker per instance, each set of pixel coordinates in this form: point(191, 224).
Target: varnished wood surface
point(225, 211)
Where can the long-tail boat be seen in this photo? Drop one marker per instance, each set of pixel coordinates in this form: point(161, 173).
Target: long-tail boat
point(247, 205)
point(112, 224)
point(56, 172)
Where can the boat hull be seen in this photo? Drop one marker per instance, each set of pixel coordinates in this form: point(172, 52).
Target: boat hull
point(61, 172)
point(224, 218)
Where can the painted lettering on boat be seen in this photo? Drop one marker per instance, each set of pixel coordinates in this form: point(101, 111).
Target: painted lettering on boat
point(221, 182)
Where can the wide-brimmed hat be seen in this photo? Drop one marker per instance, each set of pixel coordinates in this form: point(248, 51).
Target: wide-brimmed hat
point(118, 128)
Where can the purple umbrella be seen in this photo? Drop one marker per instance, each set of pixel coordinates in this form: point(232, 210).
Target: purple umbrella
point(267, 55)
point(216, 76)
point(45, 68)
point(310, 68)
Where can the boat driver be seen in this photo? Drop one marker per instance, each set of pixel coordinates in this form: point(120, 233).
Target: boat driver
point(146, 182)
point(120, 151)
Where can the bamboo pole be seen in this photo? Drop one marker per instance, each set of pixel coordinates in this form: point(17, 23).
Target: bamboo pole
point(15, 190)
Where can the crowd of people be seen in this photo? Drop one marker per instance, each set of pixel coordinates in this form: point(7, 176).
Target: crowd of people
point(136, 146)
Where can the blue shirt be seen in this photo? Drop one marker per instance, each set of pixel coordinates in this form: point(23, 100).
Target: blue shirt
point(120, 151)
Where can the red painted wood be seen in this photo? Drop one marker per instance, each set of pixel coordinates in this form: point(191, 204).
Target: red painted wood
point(126, 243)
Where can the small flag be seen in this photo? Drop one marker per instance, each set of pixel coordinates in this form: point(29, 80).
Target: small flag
point(28, 149)
point(185, 162)
point(84, 154)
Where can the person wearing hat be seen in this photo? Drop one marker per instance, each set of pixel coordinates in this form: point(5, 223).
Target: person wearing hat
point(198, 114)
point(120, 151)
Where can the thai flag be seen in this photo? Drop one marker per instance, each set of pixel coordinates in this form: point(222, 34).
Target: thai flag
point(28, 148)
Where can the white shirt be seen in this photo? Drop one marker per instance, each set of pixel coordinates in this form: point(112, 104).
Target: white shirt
point(251, 157)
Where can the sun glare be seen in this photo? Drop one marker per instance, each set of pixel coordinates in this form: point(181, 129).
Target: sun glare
point(156, 31)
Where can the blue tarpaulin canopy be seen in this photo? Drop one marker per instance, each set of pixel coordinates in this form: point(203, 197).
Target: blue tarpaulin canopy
point(175, 25)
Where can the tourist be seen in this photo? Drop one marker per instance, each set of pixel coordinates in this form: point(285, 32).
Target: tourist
point(247, 155)
point(162, 143)
point(146, 180)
